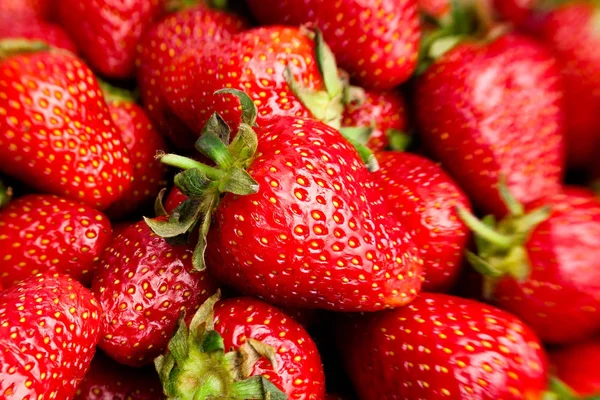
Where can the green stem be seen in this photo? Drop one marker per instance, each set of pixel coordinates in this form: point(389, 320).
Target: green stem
point(6, 194)
point(484, 231)
point(181, 162)
point(12, 47)
point(112, 93)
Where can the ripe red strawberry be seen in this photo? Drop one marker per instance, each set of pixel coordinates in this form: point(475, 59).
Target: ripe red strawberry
point(46, 233)
point(575, 366)
point(516, 11)
point(49, 327)
point(52, 34)
point(440, 347)
point(542, 263)
point(377, 42)
point(161, 44)
point(143, 286)
point(26, 11)
point(108, 31)
point(56, 133)
point(435, 8)
point(495, 109)
point(426, 197)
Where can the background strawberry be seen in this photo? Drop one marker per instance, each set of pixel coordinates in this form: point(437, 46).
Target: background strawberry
point(26, 10)
point(516, 11)
point(575, 366)
point(434, 8)
point(47, 32)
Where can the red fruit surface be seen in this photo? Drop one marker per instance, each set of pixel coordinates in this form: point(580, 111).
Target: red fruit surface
point(49, 327)
point(56, 133)
point(424, 197)
point(143, 286)
point(436, 8)
point(493, 110)
point(576, 366)
point(52, 34)
point(377, 42)
point(440, 347)
point(26, 10)
point(516, 11)
point(299, 370)
point(174, 199)
point(46, 233)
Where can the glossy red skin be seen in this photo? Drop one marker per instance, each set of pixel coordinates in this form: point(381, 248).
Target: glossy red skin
point(380, 110)
point(441, 346)
point(560, 300)
point(139, 273)
point(424, 197)
point(174, 199)
point(46, 233)
point(143, 143)
point(299, 370)
point(26, 10)
point(576, 366)
point(435, 8)
point(516, 11)
point(163, 42)
point(109, 380)
point(52, 34)
point(376, 42)
point(96, 169)
point(317, 234)
point(53, 317)
point(487, 110)
point(108, 31)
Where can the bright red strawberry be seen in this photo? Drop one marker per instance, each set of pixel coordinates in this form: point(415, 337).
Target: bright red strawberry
point(575, 366)
point(56, 133)
point(542, 263)
point(49, 327)
point(143, 286)
point(440, 347)
point(425, 197)
point(175, 198)
point(52, 34)
point(435, 8)
point(107, 32)
point(495, 109)
point(41, 233)
point(27, 11)
point(377, 42)
point(108, 380)
point(161, 44)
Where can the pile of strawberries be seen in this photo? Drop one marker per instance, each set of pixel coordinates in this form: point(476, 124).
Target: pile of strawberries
point(211, 201)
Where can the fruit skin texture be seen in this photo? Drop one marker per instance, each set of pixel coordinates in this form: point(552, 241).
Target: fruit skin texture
point(163, 42)
point(441, 346)
point(310, 236)
point(108, 31)
point(506, 93)
point(425, 198)
point(376, 42)
point(52, 34)
point(144, 285)
point(241, 318)
point(45, 233)
point(56, 133)
point(576, 366)
point(61, 321)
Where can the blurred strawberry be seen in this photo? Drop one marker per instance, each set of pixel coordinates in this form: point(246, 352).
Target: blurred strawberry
point(26, 11)
point(47, 32)
point(575, 367)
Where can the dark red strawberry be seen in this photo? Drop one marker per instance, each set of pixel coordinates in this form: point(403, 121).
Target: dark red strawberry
point(441, 347)
point(26, 11)
point(143, 286)
point(377, 42)
point(41, 233)
point(491, 109)
point(56, 133)
point(52, 34)
point(435, 8)
point(49, 327)
point(425, 198)
point(175, 198)
point(161, 44)
point(108, 31)
point(575, 367)
point(516, 11)
point(542, 263)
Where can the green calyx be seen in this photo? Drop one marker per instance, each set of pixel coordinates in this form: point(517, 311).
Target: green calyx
point(6, 194)
point(558, 390)
point(196, 366)
point(172, 6)
point(202, 184)
point(116, 94)
point(13, 47)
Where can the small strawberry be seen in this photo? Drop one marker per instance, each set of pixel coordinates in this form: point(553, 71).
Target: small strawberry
point(143, 286)
point(575, 367)
point(377, 42)
point(56, 133)
point(49, 327)
point(46, 233)
point(443, 347)
point(49, 33)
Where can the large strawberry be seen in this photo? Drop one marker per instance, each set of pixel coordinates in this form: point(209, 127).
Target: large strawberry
point(56, 133)
point(52, 34)
point(49, 327)
point(40, 233)
point(575, 368)
point(441, 347)
point(108, 31)
point(491, 109)
point(143, 286)
point(377, 42)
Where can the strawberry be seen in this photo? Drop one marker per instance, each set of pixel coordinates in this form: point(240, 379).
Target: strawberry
point(516, 11)
point(426, 196)
point(542, 262)
point(435, 8)
point(40, 233)
point(143, 286)
point(47, 32)
point(575, 367)
point(27, 11)
point(108, 31)
point(440, 347)
point(163, 42)
point(376, 42)
point(56, 134)
point(49, 327)
point(491, 109)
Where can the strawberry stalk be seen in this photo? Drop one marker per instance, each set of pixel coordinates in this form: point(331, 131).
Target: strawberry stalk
point(12, 47)
point(6, 194)
point(116, 94)
point(180, 5)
